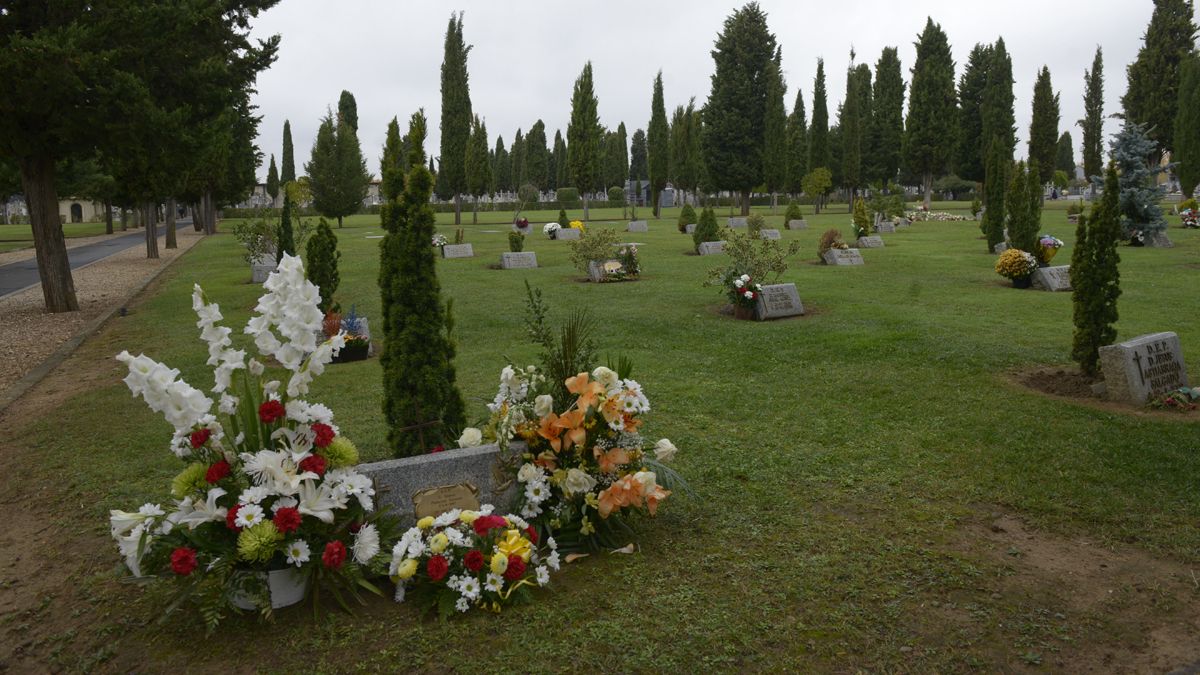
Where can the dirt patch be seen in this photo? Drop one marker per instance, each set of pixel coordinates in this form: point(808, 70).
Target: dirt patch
point(726, 310)
point(1068, 384)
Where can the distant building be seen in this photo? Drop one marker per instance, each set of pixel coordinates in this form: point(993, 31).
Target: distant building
point(80, 211)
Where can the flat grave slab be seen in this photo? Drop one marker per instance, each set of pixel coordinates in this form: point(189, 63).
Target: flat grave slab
point(711, 247)
point(1056, 278)
point(778, 301)
point(842, 256)
point(517, 261)
point(458, 251)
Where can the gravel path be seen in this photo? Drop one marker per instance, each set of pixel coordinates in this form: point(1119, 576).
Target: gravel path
point(28, 334)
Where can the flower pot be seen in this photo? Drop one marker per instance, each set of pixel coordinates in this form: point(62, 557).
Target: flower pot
point(1022, 282)
point(1048, 254)
point(743, 313)
point(287, 587)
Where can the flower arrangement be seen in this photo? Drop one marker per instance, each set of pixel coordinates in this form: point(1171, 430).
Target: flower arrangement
point(741, 290)
point(269, 483)
point(550, 228)
point(440, 240)
point(521, 225)
point(934, 216)
point(1016, 264)
point(1048, 246)
point(578, 225)
point(1190, 218)
point(832, 238)
point(1182, 399)
point(354, 331)
point(630, 266)
point(586, 469)
point(464, 559)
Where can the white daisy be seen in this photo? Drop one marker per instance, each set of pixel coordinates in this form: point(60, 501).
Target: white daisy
point(543, 576)
point(552, 560)
point(249, 516)
point(469, 588)
point(536, 491)
point(494, 582)
point(462, 605)
point(254, 495)
point(297, 552)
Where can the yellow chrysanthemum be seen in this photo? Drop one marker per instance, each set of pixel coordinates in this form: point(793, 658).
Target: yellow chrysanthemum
point(406, 569)
point(425, 523)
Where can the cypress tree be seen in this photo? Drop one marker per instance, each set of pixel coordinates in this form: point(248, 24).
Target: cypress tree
point(537, 157)
point(285, 238)
point(348, 110)
point(971, 150)
point(1096, 277)
point(680, 163)
point(287, 173)
point(517, 155)
point(273, 181)
point(775, 133)
point(1152, 98)
point(561, 169)
point(930, 129)
point(818, 133)
point(583, 136)
point(456, 114)
point(707, 229)
point(1043, 130)
point(797, 145)
point(422, 405)
point(1187, 126)
point(391, 168)
point(1021, 204)
point(615, 159)
point(733, 116)
point(851, 127)
point(998, 117)
point(337, 171)
point(887, 119)
point(479, 171)
point(502, 170)
point(638, 167)
point(994, 184)
point(321, 258)
point(1064, 155)
point(1093, 118)
point(658, 144)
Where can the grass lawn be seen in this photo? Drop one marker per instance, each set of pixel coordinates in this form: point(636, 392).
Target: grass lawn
point(14, 237)
point(850, 468)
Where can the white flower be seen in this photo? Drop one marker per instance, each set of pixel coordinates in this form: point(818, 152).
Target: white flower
point(606, 377)
point(253, 495)
point(469, 588)
point(399, 597)
point(494, 582)
point(447, 518)
point(315, 500)
point(181, 404)
point(297, 552)
point(543, 575)
point(647, 480)
point(551, 543)
point(578, 482)
point(543, 405)
point(132, 547)
point(462, 605)
point(664, 450)
point(749, 295)
point(531, 510)
point(537, 492)
point(228, 405)
point(745, 278)
point(255, 367)
point(192, 513)
point(470, 438)
point(122, 522)
point(528, 472)
point(249, 515)
point(552, 561)
point(738, 283)
point(350, 483)
point(366, 544)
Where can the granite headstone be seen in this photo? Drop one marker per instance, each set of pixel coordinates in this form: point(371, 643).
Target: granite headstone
point(690, 228)
point(516, 261)
point(737, 222)
point(801, 224)
point(711, 247)
point(1000, 248)
point(638, 226)
point(1146, 366)
point(779, 300)
point(769, 234)
point(842, 256)
point(886, 227)
point(566, 233)
point(458, 251)
point(870, 242)
point(1057, 278)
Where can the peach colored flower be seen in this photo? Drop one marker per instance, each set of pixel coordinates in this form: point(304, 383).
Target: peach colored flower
point(586, 389)
point(571, 431)
point(609, 461)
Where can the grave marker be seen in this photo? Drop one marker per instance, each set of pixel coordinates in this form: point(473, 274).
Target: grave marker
point(711, 247)
point(842, 256)
point(261, 268)
point(801, 224)
point(1000, 248)
point(458, 251)
point(1056, 278)
point(1140, 369)
point(778, 301)
point(690, 228)
point(870, 242)
point(638, 226)
point(599, 270)
point(769, 234)
point(516, 261)
point(886, 227)
point(737, 222)
point(567, 233)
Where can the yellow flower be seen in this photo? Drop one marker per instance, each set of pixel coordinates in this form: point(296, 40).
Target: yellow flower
point(425, 523)
point(586, 527)
point(406, 569)
point(558, 477)
point(499, 563)
point(438, 543)
point(591, 500)
point(468, 517)
point(515, 544)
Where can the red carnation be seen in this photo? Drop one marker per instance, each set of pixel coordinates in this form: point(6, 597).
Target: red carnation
point(287, 519)
point(533, 535)
point(473, 560)
point(438, 448)
point(270, 411)
point(232, 516)
point(183, 561)
point(484, 523)
point(516, 568)
point(313, 463)
point(334, 555)
point(437, 567)
point(322, 435)
point(217, 471)
point(199, 437)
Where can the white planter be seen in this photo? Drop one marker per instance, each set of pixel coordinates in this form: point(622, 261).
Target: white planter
point(287, 588)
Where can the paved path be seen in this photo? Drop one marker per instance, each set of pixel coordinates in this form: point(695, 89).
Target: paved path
point(23, 274)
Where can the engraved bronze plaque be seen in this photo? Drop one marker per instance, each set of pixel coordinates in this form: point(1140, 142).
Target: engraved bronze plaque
point(438, 500)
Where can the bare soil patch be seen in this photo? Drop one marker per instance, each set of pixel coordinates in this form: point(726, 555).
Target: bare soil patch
point(1067, 383)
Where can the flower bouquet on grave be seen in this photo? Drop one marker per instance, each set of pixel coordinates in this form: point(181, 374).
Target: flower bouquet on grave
point(1190, 219)
point(549, 229)
point(269, 506)
point(742, 292)
point(464, 559)
point(1017, 265)
point(440, 240)
point(631, 267)
point(353, 328)
point(586, 470)
point(521, 225)
point(1048, 246)
point(578, 225)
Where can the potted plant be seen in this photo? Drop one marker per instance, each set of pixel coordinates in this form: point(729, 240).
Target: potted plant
point(1017, 265)
point(1048, 246)
point(516, 242)
point(549, 229)
point(356, 332)
point(521, 225)
point(743, 293)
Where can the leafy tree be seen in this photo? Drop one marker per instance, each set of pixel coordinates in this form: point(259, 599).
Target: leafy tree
point(886, 134)
point(1023, 206)
point(456, 113)
point(658, 144)
point(337, 171)
point(994, 184)
point(1187, 126)
point(775, 133)
point(1043, 130)
point(421, 402)
point(818, 133)
point(1152, 98)
point(733, 116)
point(930, 129)
point(479, 171)
point(707, 229)
point(1064, 155)
point(971, 150)
point(816, 184)
point(1096, 277)
point(288, 172)
point(583, 136)
point(797, 145)
point(1093, 120)
point(998, 117)
point(537, 157)
point(391, 165)
point(273, 181)
point(502, 167)
point(1140, 192)
point(348, 111)
point(561, 169)
point(285, 235)
point(517, 154)
point(321, 257)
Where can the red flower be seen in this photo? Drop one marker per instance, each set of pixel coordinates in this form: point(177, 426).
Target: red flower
point(533, 535)
point(484, 523)
point(438, 448)
point(270, 411)
point(473, 560)
point(287, 519)
point(516, 568)
point(217, 470)
point(313, 463)
point(355, 527)
point(183, 561)
point(334, 555)
point(437, 567)
point(232, 516)
point(199, 437)
point(323, 435)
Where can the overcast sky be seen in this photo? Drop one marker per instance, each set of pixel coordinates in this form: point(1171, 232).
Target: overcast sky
point(527, 53)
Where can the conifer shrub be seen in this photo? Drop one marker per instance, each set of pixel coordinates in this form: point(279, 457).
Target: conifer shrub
point(687, 216)
point(792, 213)
point(862, 222)
point(706, 229)
point(285, 240)
point(516, 242)
point(563, 221)
point(321, 258)
point(1095, 277)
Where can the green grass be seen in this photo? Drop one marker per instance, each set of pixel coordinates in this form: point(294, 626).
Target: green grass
point(15, 237)
point(835, 458)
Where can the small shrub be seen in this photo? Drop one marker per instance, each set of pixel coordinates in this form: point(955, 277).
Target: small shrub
point(792, 213)
point(862, 222)
point(616, 196)
point(322, 264)
point(687, 216)
point(1075, 208)
point(706, 229)
point(567, 196)
point(889, 202)
point(831, 239)
point(755, 222)
point(257, 235)
point(1187, 204)
point(765, 260)
point(516, 242)
point(563, 221)
point(977, 206)
point(599, 243)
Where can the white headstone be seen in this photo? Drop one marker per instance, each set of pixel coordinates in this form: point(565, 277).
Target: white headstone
point(711, 247)
point(1056, 278)
point(690, 228)
point(737, 222)
point(566, 233)
point(638, 226)
point(458, 251)
point(779, 300)
point(516, 261)
point(801, 224)
point(769, 234)
point(261, 268)
point(885, 226)
point(842, 256)
point(904, 222)
point(1000, 248)
point(870, 242)
point(1146, 366)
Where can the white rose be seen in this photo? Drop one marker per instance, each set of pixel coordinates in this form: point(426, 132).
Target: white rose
point(647, 480)
point(606, 377)
point(578, 482)
point(543, 405)
point(664, 450)
point(471, 437)
point(528, 472)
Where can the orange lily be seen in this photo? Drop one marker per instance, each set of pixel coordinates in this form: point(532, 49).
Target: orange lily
point(549, 429)
point(609, 461)
point(588, 391)
point(570, 425)
point(655, 497)
point(616, 496)
point(611, 410)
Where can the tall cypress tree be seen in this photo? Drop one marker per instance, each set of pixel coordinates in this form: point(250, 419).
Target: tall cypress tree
point(995, 183)
point(971, 150)
point(886, 134)
point(285, 237)
point(930, 129)
point(287, 173)
point(561, 169)
point(479, 170)
point(321, 264)
point(1064, 155)
point(421, 402)
point(502, 169)
point(1187, 126)
point(1043, 130)
point(679, 162)
point(658, 144)
point(797, 145)
point(733, 115)
point(517, 155)
point(850, 124)
point(1096, 277)
point(537, 159)
point(1093, 118)
point(337, 171)
point(818, 133)
point(273, 181)
point(998, 116)
point(348, 110)
point(1021, 205)
point(391, 167)
point(775, 133)
point(1152, 97)
point(583, 136)
point(456, 114)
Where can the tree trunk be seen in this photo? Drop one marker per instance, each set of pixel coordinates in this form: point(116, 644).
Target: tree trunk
point(210, 214)
point(108, 219)
point(585, 208)
point(124, 219)
point(58, 288)
point(475, 213)
point(340, 222)
point(457, 211)
point(927, 185)
point(171, 213)
point(151, 231)
point(745, 202)
point(655, 197)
